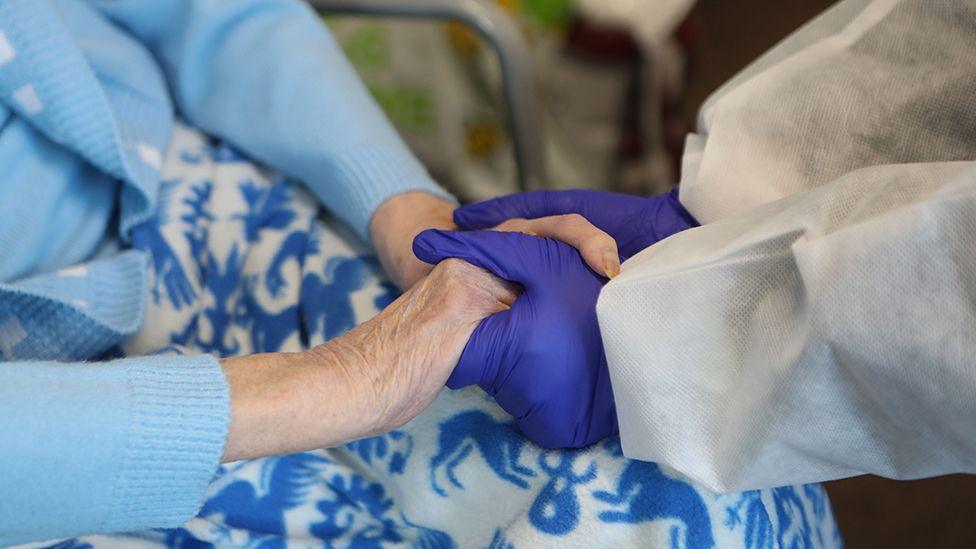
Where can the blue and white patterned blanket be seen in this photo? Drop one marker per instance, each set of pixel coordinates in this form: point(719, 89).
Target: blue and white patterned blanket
point(244, 263)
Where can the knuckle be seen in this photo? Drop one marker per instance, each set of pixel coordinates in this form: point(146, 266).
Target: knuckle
point(571, 226)
point(574, 219)
point(456, 276)
point(451, 268)
point(465, 289)
point(598, 240)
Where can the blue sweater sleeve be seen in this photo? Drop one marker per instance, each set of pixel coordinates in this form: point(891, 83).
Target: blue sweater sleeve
point(107, 447)
point(267, 76)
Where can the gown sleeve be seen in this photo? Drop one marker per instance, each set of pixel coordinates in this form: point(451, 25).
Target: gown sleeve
point(821, 323)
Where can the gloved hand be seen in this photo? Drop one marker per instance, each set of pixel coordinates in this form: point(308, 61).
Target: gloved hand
point(542, 360)
point(634, 222)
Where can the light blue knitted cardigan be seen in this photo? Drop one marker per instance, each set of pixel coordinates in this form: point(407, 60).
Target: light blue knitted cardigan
point(87, 94)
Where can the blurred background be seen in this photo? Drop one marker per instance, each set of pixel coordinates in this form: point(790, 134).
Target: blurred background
point(619, 84)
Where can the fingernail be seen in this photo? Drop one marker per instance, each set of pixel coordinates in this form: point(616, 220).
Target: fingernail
point(611, 263)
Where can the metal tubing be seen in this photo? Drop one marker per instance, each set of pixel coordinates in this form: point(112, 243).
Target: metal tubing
point(499, 30)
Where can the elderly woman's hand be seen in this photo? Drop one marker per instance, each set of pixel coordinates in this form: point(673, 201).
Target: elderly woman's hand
point(413, 345)
point(395, 224)
point(368, 381)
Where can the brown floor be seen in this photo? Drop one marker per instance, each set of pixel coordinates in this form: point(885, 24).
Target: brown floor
point(872, 512)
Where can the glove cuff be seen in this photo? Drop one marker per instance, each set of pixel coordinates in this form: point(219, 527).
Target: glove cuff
point(668, 216)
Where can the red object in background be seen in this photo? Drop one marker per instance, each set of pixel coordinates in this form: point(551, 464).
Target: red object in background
point(614, 45)
point(600, 43)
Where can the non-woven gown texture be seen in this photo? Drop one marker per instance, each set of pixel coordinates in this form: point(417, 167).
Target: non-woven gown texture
point(821, 322)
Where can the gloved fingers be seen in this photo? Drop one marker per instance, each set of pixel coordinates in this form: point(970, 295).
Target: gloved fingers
point(528, 205)
point(513, 256)
point(598, 249)
point(484, 353)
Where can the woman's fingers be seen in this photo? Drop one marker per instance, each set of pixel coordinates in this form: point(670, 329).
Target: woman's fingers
point(473, 289)
point(598, 249)
point(533, 204)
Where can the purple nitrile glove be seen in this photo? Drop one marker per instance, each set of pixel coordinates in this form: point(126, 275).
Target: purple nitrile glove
point(635, 222)
point(542, 360)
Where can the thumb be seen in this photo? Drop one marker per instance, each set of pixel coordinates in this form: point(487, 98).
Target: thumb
point(513, 256)
point(485, 353)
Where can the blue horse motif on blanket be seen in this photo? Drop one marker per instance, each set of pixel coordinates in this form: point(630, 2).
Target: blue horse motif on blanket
point(648, 494)
point(498, 442)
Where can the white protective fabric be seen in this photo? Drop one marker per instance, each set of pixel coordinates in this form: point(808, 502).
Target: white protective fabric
point(822, 321)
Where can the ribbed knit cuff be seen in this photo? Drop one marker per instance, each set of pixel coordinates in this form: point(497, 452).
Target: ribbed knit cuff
point(102, 301)
point(178, 422)
point(371, 175)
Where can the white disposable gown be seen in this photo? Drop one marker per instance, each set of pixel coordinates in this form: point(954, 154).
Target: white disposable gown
point(821, 323)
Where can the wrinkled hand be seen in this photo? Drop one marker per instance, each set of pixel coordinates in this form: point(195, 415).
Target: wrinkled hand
point(543, 359)
point(395, 224)
point(633, 222)
point(400, 359)
point(367, 382)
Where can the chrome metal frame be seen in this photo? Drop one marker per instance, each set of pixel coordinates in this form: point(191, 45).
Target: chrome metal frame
point(499, 30)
